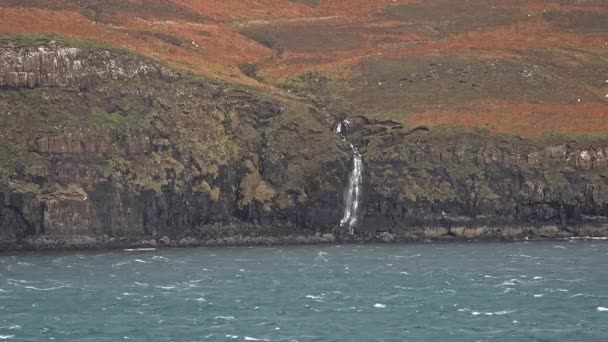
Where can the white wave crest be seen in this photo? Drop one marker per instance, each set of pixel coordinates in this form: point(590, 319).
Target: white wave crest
point(45, 289)
point(489, 313)
point(315, 297)
point(11, 327)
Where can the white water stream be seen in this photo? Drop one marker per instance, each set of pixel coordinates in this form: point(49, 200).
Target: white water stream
point(352, 196)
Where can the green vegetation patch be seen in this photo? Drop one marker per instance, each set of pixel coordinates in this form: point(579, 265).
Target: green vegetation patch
point(462, 170)
point(37, 39)
point(4, 154)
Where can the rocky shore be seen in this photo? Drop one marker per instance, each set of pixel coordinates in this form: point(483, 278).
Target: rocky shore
point(247, 239)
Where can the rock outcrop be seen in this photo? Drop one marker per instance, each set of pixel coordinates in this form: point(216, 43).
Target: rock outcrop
point(54, 65)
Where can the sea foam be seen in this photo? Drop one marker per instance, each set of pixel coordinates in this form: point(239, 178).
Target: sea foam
point(45, 289)
point(247, 338)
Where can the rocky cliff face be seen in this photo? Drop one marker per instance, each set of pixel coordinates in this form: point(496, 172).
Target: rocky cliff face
point(99, 146)
point(457, 180)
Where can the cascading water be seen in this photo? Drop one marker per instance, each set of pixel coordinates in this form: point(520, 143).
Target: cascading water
point(353, 192)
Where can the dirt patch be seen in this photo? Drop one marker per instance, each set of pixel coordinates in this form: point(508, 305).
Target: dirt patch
point(578, 21)
point(332, 34)
point(446, 17)
point(311, 3)
point(306, 38)
point(281, 9)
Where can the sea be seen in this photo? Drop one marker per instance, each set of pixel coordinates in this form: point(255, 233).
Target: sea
point(523, 291)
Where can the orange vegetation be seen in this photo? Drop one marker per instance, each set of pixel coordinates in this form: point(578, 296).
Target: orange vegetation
point(521, 118)
point(215, 48)
point(207, 48)
point(517, 36)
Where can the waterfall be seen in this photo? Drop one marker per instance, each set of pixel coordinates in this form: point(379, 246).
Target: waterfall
point(352, 196)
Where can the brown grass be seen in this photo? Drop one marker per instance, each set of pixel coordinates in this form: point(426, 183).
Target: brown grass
point(520, 118)
point(518, 36)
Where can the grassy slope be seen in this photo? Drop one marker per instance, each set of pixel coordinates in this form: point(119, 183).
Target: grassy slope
point(520, 66)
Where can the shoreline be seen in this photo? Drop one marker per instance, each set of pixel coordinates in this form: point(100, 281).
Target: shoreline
point(427, 235)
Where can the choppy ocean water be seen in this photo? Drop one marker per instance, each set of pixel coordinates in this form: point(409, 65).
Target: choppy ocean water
point(537, 291)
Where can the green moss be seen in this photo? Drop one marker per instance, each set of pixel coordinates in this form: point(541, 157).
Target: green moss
point(24, 187)
point(204, 187)
point(388, 174)
point(555, 177)
point(254, 188)
point(113, 121)
point(422, 186)
point(422, 165)
point(485, 192)
point(560, 138)
point(43, 39)
point(4, 154)
point(461, 170)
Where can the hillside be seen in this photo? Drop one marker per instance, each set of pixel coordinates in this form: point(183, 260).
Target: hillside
point(205, 120)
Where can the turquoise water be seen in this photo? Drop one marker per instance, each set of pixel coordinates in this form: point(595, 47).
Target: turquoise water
point(549, 291)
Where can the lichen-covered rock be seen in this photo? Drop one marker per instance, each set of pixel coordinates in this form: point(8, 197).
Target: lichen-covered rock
point(468, 233)
point(510, 233)
point(435, 232)
point(548, 231)
point(54, 64)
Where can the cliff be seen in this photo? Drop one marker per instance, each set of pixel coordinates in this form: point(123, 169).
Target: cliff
point(100, 146)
